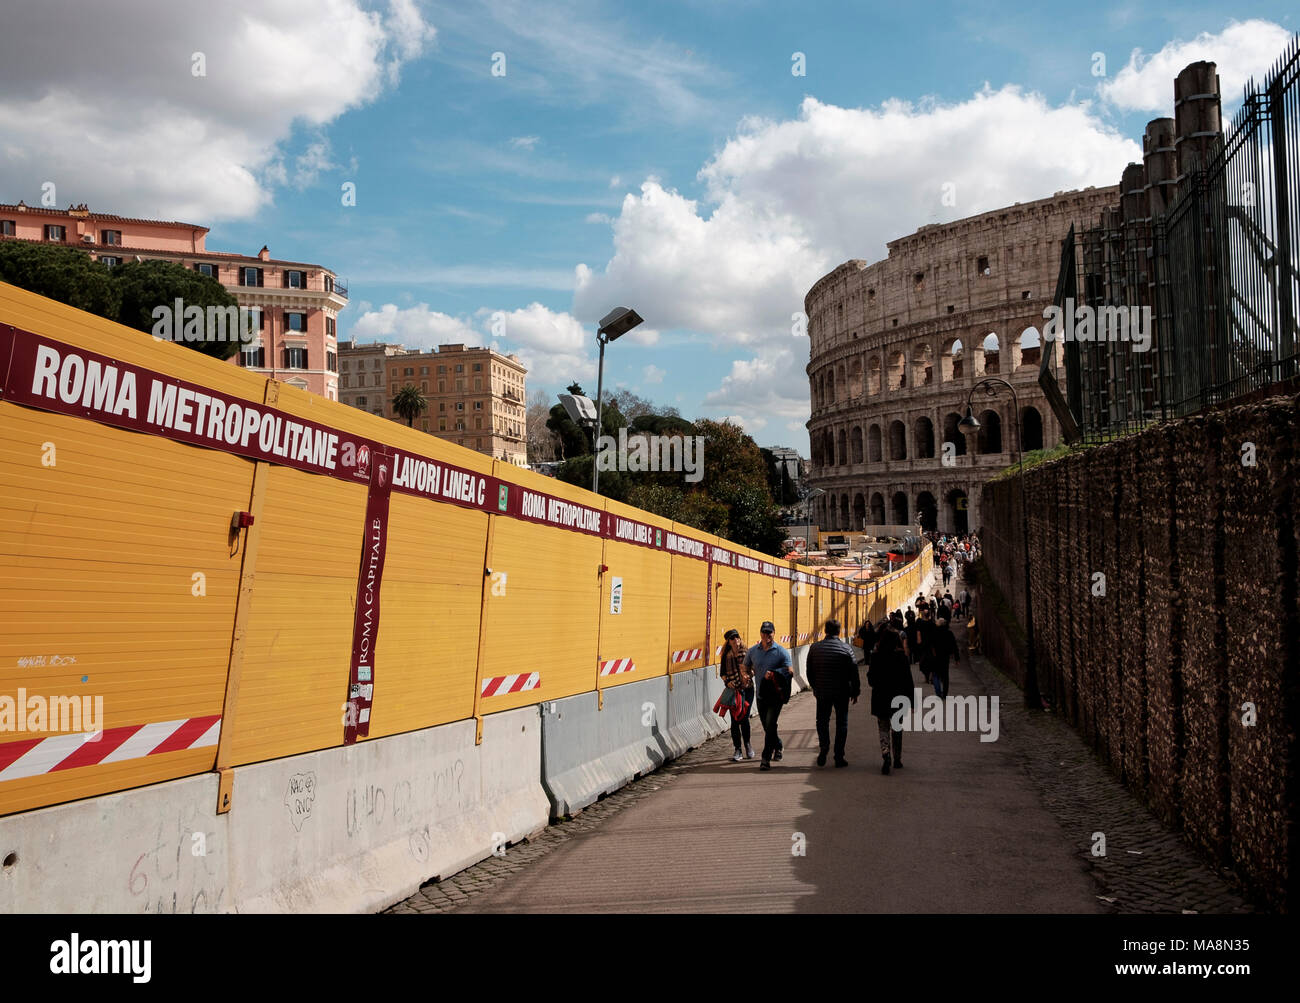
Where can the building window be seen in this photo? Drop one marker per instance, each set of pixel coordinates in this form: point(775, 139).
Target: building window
point(442, 424)
point(460, 368)
point(203, 268)
point(253, 357)
point(261, 316)
point(377, 380)
point(330, 327)
point(378, 411)
point(329, 283)
point(442, 405)
point(478, 405)
point(424, 423)
point(442, 386)
point(7, 228)
point(478, 423)
point(441, 370)
point(343, 380)
point(295, 322)
point(250, 277)
point(408, 371)
point(109, 260)
point(424, 385)
point(478, 367)
point(295, 280)
point(460, 405)
point(478, 382)
point(295, 358)
point(374, 363)
point(982, 265)
point(332, 361)
point(344, 367)
point(53, 232)
point(424, 370)
point(110, 236)
point(361, 402)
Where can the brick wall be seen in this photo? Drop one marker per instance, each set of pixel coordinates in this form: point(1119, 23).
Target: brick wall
point(1200, 616)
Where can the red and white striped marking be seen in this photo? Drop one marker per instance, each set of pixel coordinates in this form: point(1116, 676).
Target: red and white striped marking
point(787, 638)
point(719, 651)
point(689, 655)
point(518, 683)
point(617, 665)
point(35, 756)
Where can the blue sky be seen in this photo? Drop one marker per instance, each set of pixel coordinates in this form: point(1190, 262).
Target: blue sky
point(661, 156)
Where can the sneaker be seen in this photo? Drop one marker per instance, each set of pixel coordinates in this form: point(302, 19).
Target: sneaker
point(764, 765)
point(841, 763)
point(821, 759)
point(777, 755)
point(749, 751)
point(884, 766)
point(737, 757)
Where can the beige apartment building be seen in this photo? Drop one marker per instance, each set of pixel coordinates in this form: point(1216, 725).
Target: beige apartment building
point(476, 396)
point(297, 303)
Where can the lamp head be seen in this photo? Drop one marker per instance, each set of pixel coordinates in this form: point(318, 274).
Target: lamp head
point(617, 323)
point(970, 423)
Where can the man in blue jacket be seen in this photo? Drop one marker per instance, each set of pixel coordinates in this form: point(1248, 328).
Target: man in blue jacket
point(770, 664)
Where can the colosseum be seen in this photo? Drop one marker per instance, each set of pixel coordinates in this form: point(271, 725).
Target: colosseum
point(896, 347)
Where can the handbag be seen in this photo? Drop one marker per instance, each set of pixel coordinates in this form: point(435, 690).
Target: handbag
point(728, 697)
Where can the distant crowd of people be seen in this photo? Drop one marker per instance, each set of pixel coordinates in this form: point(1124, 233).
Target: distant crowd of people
point(952, 552)
point(918, 636)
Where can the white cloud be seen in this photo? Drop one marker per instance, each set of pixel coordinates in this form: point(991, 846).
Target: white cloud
point(652, 374)
point(132, 130)
point(788, 200)
point(553, 346)
point(598, 217)
point(524, 142)
point(414, 327)
point(1242, 50)
point(311, 162)
point(763, 387)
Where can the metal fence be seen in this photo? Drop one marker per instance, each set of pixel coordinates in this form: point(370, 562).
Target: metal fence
point(1212, 282)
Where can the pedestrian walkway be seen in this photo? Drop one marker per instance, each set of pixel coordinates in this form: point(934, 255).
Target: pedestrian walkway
point(965, 827)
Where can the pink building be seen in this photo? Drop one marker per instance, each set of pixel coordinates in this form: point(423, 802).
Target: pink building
point(298, 302)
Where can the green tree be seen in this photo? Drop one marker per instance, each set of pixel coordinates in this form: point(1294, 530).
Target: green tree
point(145, 285)
point(408, 402)
point(61, 273)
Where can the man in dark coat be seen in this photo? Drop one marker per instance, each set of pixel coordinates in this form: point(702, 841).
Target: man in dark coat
point(941, 652)
point(889, 676)
point(833, 675)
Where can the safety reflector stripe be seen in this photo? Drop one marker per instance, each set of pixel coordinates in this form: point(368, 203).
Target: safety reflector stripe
point(30, 758)
point(518, 683)
point(689, 655)
point(616, 665)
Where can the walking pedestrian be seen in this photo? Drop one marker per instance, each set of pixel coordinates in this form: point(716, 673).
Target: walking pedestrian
point(770, 664)
point(942, 651)
point(889, 677)
point(867, 635)
point(833, 675)
point(741, 679)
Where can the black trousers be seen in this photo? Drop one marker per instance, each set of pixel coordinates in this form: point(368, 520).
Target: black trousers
point(841, 705)
point(740, 729)
point(768, 713)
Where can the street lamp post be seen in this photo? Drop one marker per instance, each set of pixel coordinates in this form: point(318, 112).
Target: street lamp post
point(811, 495)
point(613, 326)
point(970, 425)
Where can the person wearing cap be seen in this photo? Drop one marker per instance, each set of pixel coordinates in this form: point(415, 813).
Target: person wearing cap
point(740, 678)
point(771, 667)
point(833, 675)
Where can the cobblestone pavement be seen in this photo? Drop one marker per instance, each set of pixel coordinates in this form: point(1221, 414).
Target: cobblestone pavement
point(1041, 794)
point(1148, 868)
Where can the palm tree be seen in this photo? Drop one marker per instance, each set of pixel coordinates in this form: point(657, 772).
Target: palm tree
point(409, 402)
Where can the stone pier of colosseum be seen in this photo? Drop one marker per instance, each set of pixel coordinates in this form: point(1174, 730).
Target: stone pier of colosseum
point(896, 346)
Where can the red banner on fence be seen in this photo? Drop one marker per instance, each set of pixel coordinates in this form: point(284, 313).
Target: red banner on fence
point(365, 622)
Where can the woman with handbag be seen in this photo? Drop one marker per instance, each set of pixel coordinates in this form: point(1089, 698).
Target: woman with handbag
point(737, 677)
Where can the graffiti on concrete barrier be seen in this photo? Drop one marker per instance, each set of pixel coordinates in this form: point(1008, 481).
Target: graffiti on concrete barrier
point(300, 797)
